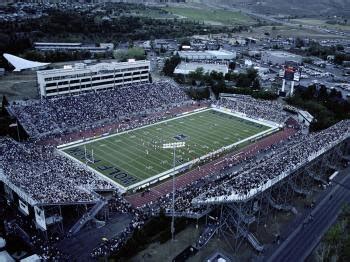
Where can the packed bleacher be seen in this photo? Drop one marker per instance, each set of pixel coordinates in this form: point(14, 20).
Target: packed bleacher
point(281, 160)
point(48, 177)
point(45, 117)
point(254, 171)
point(45, 175)
point(254, 108)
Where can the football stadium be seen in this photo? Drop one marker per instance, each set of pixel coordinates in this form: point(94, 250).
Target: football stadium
point(129, 156)
point(136, 157)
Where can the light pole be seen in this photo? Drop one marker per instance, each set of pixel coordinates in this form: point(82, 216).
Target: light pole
point(173, 146)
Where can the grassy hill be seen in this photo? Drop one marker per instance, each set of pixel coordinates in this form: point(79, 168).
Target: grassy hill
point(211, 16)
point(294, 7)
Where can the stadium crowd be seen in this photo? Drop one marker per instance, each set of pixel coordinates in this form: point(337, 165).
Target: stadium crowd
point(254, 108)
point(253, 172)
point(45, 175)
point(282, 160)
point(45, 117)
point(48, 177)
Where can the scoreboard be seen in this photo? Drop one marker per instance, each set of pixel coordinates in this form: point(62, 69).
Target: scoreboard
point(290, 73)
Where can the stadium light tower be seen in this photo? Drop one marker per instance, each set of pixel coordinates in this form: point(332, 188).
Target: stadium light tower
point(173, 146)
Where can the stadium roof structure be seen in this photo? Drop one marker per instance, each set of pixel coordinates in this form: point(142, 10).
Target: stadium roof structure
point(22, 64)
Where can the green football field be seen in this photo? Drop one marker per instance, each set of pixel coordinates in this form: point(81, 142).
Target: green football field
point(134, 156)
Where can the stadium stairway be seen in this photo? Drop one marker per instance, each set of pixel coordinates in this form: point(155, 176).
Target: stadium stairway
point(206, 235)
point(242, 229)
point(87, 217)
point(251, 239)
point(299, 190)
point(283, 207)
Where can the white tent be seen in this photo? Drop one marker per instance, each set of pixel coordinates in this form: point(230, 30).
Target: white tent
point(22, 64)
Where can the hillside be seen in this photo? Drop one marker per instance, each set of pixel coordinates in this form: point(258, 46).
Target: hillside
point(290, 7)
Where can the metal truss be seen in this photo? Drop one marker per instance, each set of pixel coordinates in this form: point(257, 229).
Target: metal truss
point(237, 220)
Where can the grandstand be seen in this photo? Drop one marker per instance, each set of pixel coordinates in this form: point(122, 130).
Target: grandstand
point(243, 156)
point(57, 116)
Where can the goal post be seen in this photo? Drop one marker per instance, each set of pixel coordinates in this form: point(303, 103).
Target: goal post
point(89, 157)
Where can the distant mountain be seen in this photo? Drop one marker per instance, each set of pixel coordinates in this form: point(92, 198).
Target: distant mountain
point(293, 7)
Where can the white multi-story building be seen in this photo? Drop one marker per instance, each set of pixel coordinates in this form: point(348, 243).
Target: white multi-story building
point(82, 78)
point(66, 47)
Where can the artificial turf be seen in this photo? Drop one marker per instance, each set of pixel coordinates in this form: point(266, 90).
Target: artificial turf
point(133, 156)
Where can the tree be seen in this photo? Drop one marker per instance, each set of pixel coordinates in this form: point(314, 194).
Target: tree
point(322, 252)
point(256, 84)
point(327, 108)
point(199, 93)
point(247, 79)
point(197, 75)
point(218, 87)
point(232, 65)
point(4, 101)
point(252, 74)
point(299, 42)
point(339, 47)
point(170, 64)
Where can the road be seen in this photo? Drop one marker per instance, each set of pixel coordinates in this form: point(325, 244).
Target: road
point(299, 245)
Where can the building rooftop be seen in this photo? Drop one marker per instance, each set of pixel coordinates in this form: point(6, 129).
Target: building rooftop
point(220, 52)
point(207, 52)
point(95, 67)
point(186, 68)
point(282, 54)
point(57, 44)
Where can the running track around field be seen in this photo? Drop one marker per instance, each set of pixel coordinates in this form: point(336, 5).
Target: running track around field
point(139, 199)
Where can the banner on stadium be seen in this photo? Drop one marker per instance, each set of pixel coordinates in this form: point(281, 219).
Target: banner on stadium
point(40, 217)
point(23, 207)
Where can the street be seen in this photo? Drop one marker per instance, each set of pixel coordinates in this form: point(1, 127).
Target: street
point(299, 245)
